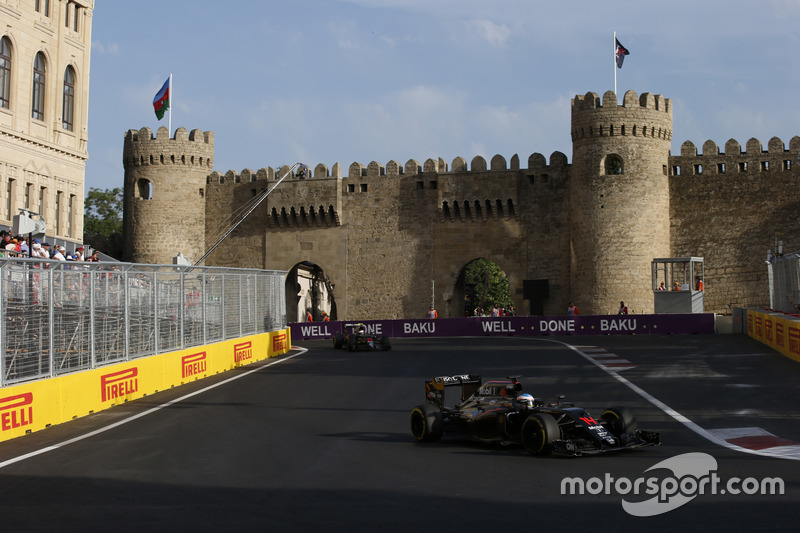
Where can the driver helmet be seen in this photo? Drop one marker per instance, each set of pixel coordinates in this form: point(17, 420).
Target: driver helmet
point(525, 400)
point(361, 328)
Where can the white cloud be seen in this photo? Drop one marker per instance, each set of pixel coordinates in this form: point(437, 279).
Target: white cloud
point(494, 34)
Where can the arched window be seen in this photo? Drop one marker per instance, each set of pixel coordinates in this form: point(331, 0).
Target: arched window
point(145, 187)
point(5, 72)
point(37, 99)
point(68, 112)
point(613, 165)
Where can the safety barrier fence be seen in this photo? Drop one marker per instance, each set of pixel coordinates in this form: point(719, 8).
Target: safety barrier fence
point(779, 331)
point(60, 317)
point(519, 325)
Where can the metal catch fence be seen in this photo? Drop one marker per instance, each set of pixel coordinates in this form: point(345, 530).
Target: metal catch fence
point(58, 317)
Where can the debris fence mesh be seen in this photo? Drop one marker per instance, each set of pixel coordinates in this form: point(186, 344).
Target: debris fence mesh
point(58, 317)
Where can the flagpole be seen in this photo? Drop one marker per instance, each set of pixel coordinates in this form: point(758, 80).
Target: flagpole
point(613, 62)
point(171, 101)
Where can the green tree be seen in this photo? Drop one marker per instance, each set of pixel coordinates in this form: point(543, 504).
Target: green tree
point(102, 220)
point(491, 284)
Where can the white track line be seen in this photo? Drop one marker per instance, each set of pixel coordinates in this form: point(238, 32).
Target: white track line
point(676, 415)
point(145, 413)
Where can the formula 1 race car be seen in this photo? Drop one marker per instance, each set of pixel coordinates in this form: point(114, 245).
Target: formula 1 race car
point(499, 412)
point(357, 339)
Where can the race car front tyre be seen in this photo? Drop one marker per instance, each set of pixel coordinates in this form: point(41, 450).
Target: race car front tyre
point(538, 432)
point(338, 341)
point(620, 420)
point(351, 343)
point(427, 424)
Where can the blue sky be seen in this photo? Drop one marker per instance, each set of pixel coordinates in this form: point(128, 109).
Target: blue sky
point(327, 81)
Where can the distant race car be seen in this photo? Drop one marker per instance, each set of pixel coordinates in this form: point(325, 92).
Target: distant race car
point(357, 339)
point(499, 412)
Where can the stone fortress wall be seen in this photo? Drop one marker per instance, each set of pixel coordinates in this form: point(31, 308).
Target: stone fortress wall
point(389, 238)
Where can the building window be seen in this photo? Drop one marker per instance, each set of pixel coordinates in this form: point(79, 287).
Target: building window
point(765, 166)
point(59, 201)
point(5, 72)
point(676, 170)
point(42, 6)
point(351, 187)
point(27, 201)
point(37, 101)
point(69, 99)
point(70, 211)
point(42, 197)
point(742, 167)
point(787, 164)
point(613, 165)
point(698, 169)
point(10, 200)
point(76, 11)
point(363, 187)
point(721, 168)
point(145, 187)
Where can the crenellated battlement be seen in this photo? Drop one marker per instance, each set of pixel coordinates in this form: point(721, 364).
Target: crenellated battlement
point(645, 116)
point(536, 163)
point(193, 149)
point(734, 159)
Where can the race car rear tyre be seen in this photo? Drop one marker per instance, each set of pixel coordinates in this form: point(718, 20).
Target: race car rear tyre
point(427, 424)
point(351, 343)
point(385, 344)
point(538, 433)
point(338, 340)
point(620, 420)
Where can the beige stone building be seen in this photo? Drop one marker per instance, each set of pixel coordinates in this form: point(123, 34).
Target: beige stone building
point(384, 241)
point(45, 48)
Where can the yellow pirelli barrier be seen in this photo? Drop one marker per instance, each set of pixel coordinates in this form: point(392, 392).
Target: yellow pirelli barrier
point(36, 405)
point(776, 330)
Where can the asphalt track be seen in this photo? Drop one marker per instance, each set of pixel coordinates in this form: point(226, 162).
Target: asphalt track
point(320, 441)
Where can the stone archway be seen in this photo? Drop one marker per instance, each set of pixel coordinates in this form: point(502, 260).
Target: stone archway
point(308, 289)
point(481, 283)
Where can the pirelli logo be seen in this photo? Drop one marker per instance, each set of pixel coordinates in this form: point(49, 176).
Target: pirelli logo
point(768, 329)
point(243, 351)
point(759, 326)
point(779, 337)
point(794, 340)
point(193, 364)
point(279, 343)
point(119, 384)
point(16, 411)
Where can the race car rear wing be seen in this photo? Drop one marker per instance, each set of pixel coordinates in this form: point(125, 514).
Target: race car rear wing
point(434, 388)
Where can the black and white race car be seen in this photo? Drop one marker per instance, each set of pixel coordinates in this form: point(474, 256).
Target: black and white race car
point(356, 339)
point(499, 412)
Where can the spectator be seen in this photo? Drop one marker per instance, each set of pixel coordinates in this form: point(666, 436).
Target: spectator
point(623, 310)
point(512, 311)
point(59, 254)
point(38, 252)
point(432, 313)
point(95, 257)
point(309, 316)
point(79, 253)
point(572, 310)
point(46, 250)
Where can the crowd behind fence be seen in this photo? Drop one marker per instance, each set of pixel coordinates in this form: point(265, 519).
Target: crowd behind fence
point(58, 317)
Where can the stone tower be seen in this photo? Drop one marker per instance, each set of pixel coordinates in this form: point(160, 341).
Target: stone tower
point(164, 196)
point(619, 199)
